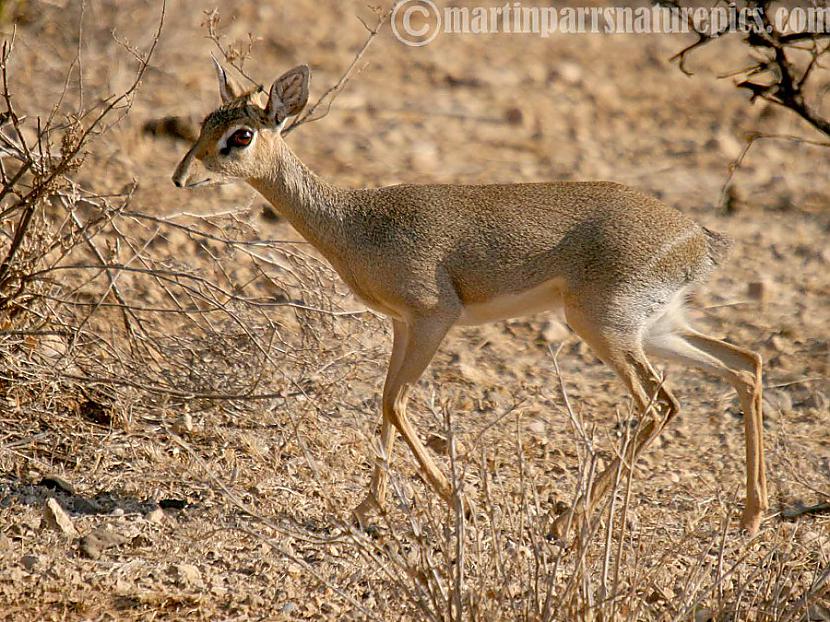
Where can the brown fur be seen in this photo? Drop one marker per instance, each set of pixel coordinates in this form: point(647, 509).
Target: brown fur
point(431, 256)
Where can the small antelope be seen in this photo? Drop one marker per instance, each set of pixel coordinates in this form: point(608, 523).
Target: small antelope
point(430, 257)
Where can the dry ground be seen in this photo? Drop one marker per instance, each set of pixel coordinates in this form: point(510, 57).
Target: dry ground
point(465, 109)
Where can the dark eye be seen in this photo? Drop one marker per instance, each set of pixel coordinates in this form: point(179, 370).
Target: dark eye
point(240, 138)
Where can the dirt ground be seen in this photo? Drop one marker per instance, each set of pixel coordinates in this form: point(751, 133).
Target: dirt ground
point(256, 494)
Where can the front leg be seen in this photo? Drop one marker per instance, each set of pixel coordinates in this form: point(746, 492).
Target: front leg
point(414, 346)
point(376, 498)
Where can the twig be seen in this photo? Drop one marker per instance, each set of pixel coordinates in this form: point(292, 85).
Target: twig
point(333, 91)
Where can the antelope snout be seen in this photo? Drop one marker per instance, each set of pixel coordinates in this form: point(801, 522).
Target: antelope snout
point(182, 172)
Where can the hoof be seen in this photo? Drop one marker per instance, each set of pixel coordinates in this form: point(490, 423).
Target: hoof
point(751, 522)
point(367, 509)
point(561, 525)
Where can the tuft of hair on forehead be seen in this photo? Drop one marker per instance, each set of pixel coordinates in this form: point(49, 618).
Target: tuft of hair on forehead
point(249, 98)
point(240, 109)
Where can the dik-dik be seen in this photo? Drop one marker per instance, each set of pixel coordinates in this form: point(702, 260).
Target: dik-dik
point(430, 257)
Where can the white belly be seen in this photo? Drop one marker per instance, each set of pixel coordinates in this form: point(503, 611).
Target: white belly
point(544, 297)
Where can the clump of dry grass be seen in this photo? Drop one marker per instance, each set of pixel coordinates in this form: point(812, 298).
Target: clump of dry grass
point(493, 556)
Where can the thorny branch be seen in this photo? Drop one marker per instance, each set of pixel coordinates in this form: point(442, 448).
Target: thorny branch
point(235, 55)
point(776, 76)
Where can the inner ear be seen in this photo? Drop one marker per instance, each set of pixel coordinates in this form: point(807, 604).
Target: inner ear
point(289, 94)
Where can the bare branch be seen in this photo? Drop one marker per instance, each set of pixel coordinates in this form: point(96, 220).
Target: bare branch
point(327, 98)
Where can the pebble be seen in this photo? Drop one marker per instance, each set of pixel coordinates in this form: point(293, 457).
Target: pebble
point(758, 290)
point(30, 562)
point(554, 331)
point(58, 519)
point(155, 516)
point(437, 443)
point(817, 400)
point(704, 615)
point(569, 73)
point(183, 424)
point(186, 574)
point(818, 613)
point(94, 543)
point(514, 116)
point(779, 400)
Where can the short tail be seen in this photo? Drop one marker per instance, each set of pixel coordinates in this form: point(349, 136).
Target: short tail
point(717, 245)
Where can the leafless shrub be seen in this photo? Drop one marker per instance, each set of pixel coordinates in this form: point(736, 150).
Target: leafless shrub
point(786, 63)
point(787, 69)
point(236, 53)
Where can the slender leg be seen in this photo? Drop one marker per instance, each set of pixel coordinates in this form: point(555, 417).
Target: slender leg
point(742, 369)
point(413, 348)
point(376, 497)
point(424, 337)
point(665, 408)
point(624, 354)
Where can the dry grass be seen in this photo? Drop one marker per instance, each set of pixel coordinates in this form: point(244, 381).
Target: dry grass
point(189, 352)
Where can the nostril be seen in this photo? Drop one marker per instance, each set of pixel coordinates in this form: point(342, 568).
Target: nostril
point(177, 183)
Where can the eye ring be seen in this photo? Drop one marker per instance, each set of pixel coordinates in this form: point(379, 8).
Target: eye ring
point(240, 138)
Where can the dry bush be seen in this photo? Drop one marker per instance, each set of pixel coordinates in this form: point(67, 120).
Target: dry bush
point(493, 556)
point(787, 68)
point(93, 303)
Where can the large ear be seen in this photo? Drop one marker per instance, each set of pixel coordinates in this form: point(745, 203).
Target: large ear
point(289, 94)
point(228, 88)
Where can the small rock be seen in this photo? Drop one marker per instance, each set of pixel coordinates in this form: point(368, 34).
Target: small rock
point(779, 400)
point(704, 615)
point(58, 519)
point(569, 73)
point(288, 608)
point(538, 427)
point(818, 613)
point(117, 512)
point(141, 541)
point(93, 544)
point(183, 424)
point(514, 116)
point(758, 290)
point(817, 400)
point(155, 516)
point(108, 536)
point(30, 562)
point(186, 574)
point(91, 547)
point(437, 443)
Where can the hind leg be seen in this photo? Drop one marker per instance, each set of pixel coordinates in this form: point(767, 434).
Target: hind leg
point(622, 351)
point(742, 369)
